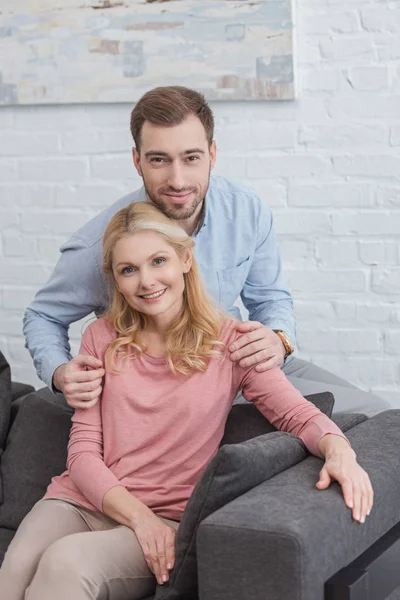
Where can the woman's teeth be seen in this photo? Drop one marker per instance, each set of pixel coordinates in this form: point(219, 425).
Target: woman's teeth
point(155, 295)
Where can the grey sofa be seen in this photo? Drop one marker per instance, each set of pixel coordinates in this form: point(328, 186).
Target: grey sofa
point(256, 528)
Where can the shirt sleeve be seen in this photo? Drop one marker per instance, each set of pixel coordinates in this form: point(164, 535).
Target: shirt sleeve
point(265, 293)
point(85, 463)
point(284, 406)
point(72, 292)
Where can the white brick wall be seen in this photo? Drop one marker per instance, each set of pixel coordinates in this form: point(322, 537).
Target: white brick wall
point(328, 164)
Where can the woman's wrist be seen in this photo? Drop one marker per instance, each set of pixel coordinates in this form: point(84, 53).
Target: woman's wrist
point(331, 445)
point(123, 507)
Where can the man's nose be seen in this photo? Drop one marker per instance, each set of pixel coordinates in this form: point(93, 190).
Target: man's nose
point(175, 177)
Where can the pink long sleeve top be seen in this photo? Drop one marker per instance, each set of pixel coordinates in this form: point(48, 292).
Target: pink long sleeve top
point(154, 432)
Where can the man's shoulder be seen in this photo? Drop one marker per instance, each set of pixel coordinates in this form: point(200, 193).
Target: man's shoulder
point(92, 232)
point(224, 193)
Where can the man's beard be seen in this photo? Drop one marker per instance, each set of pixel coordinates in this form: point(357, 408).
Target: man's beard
point(178, 213)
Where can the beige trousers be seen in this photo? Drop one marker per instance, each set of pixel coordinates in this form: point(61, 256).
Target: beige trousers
point(64, 551)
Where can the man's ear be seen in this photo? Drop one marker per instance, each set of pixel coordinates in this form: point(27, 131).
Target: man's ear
point(213, 153)
point(187, 260)
point(136, 161)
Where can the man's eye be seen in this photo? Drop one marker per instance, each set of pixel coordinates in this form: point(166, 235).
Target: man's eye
point(128, 270)
point(159, 261)
point(157, 159)
point(193, 158)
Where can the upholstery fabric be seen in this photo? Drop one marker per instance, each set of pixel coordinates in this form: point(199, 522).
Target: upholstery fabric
point(36, 450)
point(236, 469)
point(6, 535)
point(5, 399)
point(287, 537)
point(346, 421)
point(232, 472)
point(246, 422)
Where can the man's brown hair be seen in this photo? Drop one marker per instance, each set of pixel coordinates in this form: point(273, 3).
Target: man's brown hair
point(170, 106)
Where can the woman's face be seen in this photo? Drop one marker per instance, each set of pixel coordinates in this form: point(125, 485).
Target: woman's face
point(149, 274)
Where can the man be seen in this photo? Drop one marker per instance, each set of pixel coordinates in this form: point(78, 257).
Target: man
point(174, 153)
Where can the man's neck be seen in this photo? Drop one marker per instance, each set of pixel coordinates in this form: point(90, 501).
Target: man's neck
point(193, 224)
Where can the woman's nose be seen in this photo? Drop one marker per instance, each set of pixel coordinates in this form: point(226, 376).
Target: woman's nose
point(146, 280)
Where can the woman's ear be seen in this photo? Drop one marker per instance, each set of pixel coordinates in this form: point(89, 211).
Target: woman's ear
point(187, 260)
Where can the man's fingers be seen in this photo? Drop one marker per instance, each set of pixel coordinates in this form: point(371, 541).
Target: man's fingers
point(86, 360)
point(247, 338)
point(248, 326)
point(250, 349)
point(83, 376)
point(84, 405)
point(266, 365)
point(81, 402)
point(81, 387)
point(256, 358)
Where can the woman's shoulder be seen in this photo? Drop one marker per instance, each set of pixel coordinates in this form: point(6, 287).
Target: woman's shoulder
point(228, 332)
point(100, 332)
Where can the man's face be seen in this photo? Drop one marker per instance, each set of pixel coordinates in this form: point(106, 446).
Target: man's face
point(175, 164)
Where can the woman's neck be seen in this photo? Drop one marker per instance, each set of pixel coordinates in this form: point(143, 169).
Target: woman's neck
point(155, 341)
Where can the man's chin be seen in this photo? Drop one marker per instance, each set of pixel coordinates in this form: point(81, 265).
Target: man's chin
point(176, 211)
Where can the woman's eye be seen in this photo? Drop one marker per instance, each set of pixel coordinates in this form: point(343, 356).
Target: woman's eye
point(128, 270)
point(159, 261)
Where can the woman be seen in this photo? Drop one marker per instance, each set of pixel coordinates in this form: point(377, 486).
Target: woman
point(106, 527)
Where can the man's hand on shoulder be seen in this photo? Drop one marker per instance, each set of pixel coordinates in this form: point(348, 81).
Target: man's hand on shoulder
point(259, 345)
point(80, 380)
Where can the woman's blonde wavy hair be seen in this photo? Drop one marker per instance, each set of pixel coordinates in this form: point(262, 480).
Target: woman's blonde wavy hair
point(192, 338)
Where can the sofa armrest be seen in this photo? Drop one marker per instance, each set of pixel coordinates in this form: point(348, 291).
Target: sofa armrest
point(284, 538)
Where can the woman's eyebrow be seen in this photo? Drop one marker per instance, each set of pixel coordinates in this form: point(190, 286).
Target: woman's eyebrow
point(150, 257)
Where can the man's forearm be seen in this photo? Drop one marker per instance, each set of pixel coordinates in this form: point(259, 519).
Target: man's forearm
point(47, 342)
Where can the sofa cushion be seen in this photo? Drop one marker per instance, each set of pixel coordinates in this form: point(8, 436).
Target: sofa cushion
point(236, 469)
point(20, 389)
point(5, 399)
point(6, 535)
point(36, 450)
point(346, 421)
point(245, 421)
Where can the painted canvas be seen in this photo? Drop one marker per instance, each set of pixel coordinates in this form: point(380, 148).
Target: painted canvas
point(80, 51)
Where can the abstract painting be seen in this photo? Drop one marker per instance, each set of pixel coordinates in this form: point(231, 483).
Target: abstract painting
point(80, 51)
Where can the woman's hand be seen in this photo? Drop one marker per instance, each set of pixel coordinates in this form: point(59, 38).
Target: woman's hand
point(158, 543)
point(341, 465)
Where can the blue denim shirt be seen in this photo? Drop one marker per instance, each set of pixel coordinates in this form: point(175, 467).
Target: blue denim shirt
point(237, 254)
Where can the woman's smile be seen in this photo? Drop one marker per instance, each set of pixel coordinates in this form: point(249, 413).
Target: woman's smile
point(154, 296)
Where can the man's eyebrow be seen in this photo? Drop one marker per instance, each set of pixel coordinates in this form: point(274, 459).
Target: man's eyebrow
point(156, 153)
point(193, 151)
point(151, 153)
